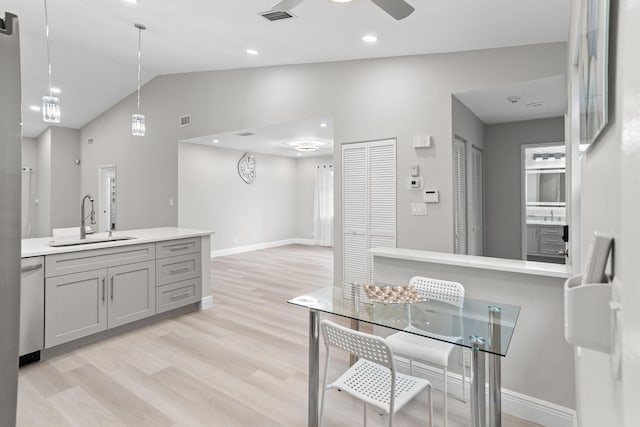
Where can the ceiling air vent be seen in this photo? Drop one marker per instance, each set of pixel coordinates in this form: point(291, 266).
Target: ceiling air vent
point(245, 134)
point(277, 15)
point(185, 120)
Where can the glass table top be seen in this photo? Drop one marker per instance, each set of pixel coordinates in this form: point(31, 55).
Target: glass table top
point(432, 318)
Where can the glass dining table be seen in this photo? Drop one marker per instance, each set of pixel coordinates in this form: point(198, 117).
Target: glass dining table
point(484, 327)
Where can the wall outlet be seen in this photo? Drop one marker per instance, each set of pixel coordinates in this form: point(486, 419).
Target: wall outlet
point(418, 209)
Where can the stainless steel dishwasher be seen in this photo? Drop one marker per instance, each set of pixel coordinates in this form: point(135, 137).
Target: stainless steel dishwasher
point(31, 309)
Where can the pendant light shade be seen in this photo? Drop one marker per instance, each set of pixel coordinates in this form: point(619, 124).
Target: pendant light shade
point(51, 109)
point(50, 104)
point(138, 127)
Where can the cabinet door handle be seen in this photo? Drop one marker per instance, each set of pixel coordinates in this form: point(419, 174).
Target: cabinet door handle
point(180, 296)
point(31, 268)
point(111, 288)
point(178, 270)
point(179, 248)
point(103, 288)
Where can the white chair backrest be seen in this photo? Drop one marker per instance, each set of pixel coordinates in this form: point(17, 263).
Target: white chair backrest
point(440, 290)
point(363, 345)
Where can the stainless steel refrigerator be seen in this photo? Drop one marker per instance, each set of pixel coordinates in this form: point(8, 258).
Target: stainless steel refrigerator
point(10, 230)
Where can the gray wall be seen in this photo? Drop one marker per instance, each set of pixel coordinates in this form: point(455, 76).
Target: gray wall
point(305, 190)
point(368, 99)
point(58, 180)
point(43, 184)
point(503, 180)
point(213, 196)
point(539, 362)
point(10, 132)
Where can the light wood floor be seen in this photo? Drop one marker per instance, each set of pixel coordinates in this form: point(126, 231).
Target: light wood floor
point(241, 363)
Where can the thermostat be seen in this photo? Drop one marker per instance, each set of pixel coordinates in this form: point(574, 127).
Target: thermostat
point(415, 183)
point(431, 196)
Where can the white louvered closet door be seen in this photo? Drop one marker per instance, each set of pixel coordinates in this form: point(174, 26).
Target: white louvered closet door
point(355, 209)
point(460, 197)
point(369, 205)
point(382, 197)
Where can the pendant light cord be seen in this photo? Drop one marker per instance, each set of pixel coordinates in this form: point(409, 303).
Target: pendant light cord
point(46, 23)
point(140, 28)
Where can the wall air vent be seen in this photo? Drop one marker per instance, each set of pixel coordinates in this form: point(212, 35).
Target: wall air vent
point(185, 120)
point(245, 134)
point(277, 15)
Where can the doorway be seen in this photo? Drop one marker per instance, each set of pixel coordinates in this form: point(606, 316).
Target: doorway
point(107, 198)
point(476, 229)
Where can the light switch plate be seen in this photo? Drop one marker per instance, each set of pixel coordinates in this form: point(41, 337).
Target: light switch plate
point(418, 209)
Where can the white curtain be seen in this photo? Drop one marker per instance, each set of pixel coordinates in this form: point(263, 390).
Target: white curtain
point(323, 206)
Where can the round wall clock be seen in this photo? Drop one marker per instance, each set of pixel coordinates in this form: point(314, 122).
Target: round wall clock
point(247, 168)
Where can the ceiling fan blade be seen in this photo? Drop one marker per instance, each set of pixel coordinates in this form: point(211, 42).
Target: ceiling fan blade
point(286, 5)
point(399, 9)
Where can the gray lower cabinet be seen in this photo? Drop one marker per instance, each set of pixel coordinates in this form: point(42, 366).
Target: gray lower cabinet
point(132, 293)
point(75, 306)
point(544, 243)
point(81, 304)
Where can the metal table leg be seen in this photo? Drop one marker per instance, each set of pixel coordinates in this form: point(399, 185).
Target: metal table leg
point(314, 366)
point(478, 404)
point(495, 381)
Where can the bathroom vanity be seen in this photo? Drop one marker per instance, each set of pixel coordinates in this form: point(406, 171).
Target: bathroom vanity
point(99, 283)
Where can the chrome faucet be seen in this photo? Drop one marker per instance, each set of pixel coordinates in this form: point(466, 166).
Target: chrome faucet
point(83, 233)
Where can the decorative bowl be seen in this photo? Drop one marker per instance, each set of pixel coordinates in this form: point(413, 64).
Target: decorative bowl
point(393, 294)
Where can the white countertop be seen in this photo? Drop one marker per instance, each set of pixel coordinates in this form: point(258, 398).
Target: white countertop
point(471, 261)
point(543, 222)
point(40, 246)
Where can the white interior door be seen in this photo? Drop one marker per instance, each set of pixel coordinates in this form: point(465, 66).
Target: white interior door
point(355, 209)
point(476, 237)
point(460, 196)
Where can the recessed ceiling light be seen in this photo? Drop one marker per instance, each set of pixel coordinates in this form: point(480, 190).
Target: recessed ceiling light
point(215, 141)
point(131, 1)
point(306, 147)
point(323, 125)
point(535, 104)
point(252, 52)
point(341, 1)
point(369, 38)
point(55, 90)
point(34, 108)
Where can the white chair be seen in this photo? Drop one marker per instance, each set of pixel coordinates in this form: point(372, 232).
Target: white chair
point(432, 351)
point(373, 378)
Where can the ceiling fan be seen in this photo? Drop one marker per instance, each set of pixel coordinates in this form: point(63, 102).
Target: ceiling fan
point(398, 9)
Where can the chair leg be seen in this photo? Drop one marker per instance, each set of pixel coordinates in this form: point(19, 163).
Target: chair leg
point(324, 391)
point(464, 377)
point(446, 377)
point(364, 415)
point(430, 397)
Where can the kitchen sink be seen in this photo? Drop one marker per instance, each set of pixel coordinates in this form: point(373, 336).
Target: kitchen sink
point(87, 241)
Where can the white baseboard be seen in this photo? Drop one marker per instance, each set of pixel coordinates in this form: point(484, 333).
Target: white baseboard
point(206, 303)
point(258, 246)
point(517, 404)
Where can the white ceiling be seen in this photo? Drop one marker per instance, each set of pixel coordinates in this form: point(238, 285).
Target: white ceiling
point(273, 139)
point(492, 106)
point(94, 43)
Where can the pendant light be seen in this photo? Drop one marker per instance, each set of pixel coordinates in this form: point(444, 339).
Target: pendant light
point(50, 104)
point(137, 120)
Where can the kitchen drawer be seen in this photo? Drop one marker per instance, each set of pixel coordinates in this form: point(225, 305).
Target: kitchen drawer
point(551, 231)
point(171, 248)
point(551, 240)
point(551, 249)
point(95, 259)
point(177, 268)
point(178, 294)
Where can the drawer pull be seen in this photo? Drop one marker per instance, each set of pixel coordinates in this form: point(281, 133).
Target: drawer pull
point(179, 248)
point(103, 289)
point(111, 288)
point(31, 268)
point(182, 295)
point(179, 270)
